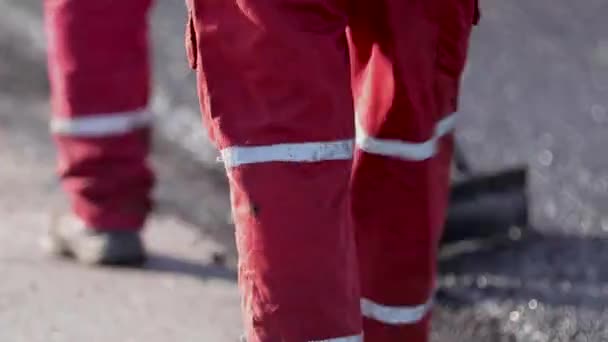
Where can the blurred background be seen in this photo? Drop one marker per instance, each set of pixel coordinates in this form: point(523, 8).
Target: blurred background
point(535, 93)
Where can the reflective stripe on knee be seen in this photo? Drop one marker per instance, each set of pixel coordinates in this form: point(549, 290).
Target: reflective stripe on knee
point(299, 152)
point(101, 125)
point(353, 338)
point(405, 150)
point(395, 315)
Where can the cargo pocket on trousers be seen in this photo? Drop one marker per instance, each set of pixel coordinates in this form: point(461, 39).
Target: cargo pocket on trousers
point(477, 14)
point(191, 44)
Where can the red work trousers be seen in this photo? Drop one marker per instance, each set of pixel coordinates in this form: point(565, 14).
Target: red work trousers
point(99, 76)
point(333, 118)
point(337, 219)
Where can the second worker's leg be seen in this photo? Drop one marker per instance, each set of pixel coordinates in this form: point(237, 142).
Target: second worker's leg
point(99, 76)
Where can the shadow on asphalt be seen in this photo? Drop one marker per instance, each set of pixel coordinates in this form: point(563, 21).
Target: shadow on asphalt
point(195, 193)
point(168, 264)
point(557, 270)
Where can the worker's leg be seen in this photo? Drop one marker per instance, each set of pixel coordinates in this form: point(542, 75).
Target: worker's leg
point(99, 76)
point(404, 103)
point(274, 87)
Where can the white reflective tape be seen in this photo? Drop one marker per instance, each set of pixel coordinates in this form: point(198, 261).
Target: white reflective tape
point(99, 125)
point(353, 338)
point(394, 315)
point(302, 152)
point(405, 150)
point(445, 126)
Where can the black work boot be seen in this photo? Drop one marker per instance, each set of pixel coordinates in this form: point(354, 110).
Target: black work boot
point(70, 237)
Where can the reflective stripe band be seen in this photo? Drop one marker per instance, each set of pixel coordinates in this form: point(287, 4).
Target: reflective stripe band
point(394, 314)
point(445, 126)
point(353, 338)
point(100, 125)
point(405, 150)
point(303, 152)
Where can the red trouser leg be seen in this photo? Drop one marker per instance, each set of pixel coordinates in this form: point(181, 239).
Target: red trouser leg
point(274, 85)
point(99, 75)
point(404, 102)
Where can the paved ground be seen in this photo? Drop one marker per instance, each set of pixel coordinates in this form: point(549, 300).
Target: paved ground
point(182, 294)
point(535, 93)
